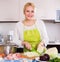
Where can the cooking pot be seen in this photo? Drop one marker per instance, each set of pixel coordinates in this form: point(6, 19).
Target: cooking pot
point(9, 49)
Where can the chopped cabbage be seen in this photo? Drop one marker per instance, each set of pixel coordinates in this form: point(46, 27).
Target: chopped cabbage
point(31, 54)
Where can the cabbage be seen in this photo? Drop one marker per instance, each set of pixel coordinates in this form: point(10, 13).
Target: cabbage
point(52, 52)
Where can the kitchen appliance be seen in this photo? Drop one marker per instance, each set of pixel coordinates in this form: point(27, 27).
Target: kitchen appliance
point(8, 46)
point(10, 35)
point(57, 16)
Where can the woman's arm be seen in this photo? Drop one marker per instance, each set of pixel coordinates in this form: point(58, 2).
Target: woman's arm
point(44, 35)
point(42, 29)
point(17, 36)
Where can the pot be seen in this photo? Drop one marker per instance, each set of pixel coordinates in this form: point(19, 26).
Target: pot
point(9, 49)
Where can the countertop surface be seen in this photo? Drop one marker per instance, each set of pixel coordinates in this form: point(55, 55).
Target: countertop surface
point(7, 44)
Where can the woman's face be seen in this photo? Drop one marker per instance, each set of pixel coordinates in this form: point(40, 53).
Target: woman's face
point(29, 12)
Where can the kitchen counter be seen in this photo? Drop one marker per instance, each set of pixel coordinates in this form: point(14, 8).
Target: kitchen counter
point(7, 44)
point(23, 60)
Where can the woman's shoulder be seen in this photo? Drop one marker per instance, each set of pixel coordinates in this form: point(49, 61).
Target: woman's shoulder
point(39, 22)
point(19, 23)
point(19, 26)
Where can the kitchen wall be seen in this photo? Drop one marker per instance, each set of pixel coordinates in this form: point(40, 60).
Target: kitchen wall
point(9, 10)
point(45, 9)
point(53, 30)
point(6, 27)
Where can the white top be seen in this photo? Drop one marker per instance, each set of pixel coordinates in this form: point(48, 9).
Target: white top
point(18, 33)
point(29, 27)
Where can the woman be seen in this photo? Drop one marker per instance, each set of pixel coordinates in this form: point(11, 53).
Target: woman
point(31, 32)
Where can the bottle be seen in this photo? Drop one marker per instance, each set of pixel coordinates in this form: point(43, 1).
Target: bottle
point(1, 38)
point(10, 36)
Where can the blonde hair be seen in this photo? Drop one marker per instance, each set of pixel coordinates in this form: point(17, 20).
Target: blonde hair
point(28, 4)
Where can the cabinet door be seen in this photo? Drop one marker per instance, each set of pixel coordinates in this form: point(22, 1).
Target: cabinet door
point(9, 10)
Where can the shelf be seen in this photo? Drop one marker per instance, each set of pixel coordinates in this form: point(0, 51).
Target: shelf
point(50, 21)
point(53, 43)
point(9, 21)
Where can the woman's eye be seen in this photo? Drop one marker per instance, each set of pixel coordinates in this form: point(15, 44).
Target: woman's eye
point(27, 11)
point(32, 11)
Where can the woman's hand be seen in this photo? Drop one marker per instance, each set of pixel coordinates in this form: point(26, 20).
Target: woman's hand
point(41, 47)
point(27, 45)
point(41, 44)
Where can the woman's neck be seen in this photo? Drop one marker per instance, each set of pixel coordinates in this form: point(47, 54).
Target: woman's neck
point(29, 22)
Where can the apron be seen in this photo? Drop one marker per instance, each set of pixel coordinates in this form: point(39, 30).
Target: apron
point(33, 37)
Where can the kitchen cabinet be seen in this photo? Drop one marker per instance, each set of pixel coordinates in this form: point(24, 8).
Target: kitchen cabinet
point(50, 21)
point(15, 21)
point(9, 11)
point(50, 9)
